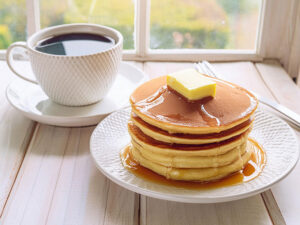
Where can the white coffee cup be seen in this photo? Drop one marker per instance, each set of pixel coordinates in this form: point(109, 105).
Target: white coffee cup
point(72, 80)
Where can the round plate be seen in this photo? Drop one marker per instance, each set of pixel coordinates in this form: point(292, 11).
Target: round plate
point(276, 137)
point(30, 100)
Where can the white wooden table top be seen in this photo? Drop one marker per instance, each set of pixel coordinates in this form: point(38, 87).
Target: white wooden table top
point(47, 175)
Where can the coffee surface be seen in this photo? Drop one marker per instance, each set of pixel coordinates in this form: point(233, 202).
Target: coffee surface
point(75, 44)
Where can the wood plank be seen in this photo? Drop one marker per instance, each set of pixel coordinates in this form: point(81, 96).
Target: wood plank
point(59, 184)
point(287, 93)
point(280, 84)
point(15, 134)
point(155, 69)
point(243, 74)
point(273, 208)
point(247, 211)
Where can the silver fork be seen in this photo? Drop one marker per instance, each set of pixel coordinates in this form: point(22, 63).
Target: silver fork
point(206, 68)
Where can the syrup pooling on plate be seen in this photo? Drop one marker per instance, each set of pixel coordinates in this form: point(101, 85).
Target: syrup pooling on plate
point(251, 170)
point(155, 100)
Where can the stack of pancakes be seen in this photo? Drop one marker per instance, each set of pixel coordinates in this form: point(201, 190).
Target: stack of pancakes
point(199, 141)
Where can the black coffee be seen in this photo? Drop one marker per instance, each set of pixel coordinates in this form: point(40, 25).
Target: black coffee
point(75, 44)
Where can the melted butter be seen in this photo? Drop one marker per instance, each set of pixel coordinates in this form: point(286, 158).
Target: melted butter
point(251, 170)
point(231, 103)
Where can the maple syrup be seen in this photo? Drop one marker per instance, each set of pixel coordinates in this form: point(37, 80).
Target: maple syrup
point(251, 170)
point(232, 105)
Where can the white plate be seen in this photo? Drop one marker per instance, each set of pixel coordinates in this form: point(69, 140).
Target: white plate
point(276, 137)
point(30, 100)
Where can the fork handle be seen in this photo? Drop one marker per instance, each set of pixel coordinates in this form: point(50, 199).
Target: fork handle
point(291, 115)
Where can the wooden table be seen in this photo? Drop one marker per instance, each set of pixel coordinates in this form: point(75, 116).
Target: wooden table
point(47, 175)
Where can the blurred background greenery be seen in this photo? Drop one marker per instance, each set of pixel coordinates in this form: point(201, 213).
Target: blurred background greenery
point(12, 22)
point(208, 24)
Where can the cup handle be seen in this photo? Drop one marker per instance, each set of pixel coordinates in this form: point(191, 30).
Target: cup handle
point(9, 60)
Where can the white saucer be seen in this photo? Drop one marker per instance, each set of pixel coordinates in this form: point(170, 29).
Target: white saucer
point(30, 100)
point(273, 134)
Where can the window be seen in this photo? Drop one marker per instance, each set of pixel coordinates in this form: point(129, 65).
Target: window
point(204, 24)
point(152, 29)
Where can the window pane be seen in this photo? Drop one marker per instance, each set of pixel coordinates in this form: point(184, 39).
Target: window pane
point(12, 22)
point(118, 14)
point(206, 24)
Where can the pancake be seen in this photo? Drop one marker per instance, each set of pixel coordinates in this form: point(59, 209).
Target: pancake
point(161, 107)
point(157, 147)
point(193, 174)
point(202, 140)
point(192, 139)
point(181, 161)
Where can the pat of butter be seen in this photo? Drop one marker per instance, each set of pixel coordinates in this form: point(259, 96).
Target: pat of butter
point(191, 84)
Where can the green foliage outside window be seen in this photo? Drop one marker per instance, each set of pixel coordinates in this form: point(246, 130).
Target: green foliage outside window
point(188, 24)
point(12, 22)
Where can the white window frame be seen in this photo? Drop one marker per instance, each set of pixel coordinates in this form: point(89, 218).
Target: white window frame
point(275, 37)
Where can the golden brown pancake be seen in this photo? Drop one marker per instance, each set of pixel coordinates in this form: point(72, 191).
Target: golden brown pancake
point(220, 147)
point(155, 104)
point(164, 136)
point(181, 161)
point(193, 174)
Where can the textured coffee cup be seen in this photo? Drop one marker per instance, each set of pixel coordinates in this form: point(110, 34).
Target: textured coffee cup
point(73, 80)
